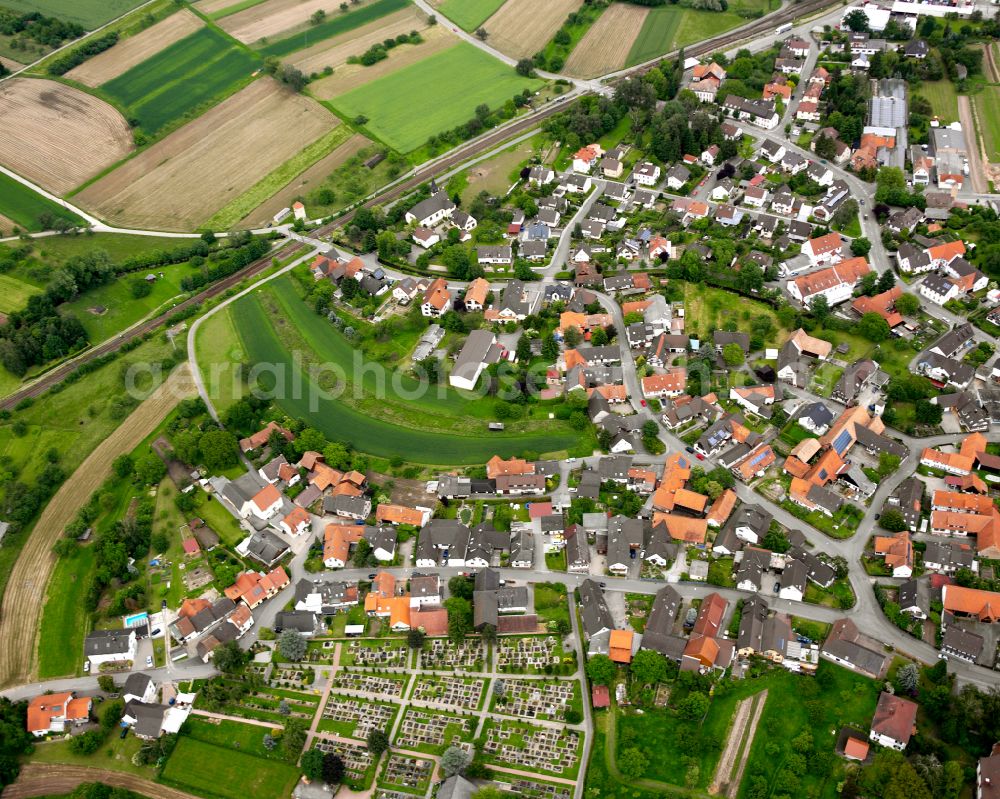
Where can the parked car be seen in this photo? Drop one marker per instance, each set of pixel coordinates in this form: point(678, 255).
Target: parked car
point(86, 667)
point(699, 456)
point(689, 449)
point(149, 660)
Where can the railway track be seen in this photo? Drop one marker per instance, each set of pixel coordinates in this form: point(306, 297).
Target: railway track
point(455, 158)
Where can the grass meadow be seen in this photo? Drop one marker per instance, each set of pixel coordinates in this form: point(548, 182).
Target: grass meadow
point(22, 205)
point(988, 110)
point(428, 430)
point(335, 24)
point(669, 27)
point(174, 84)
point(64, 619)
point(405, 108)
point(469, 14)
point(88, 13)
point(943, 98)
point(219, 771)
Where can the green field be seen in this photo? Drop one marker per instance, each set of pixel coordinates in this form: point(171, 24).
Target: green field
point(24, 206)
point(64, 620)
point(375, 423)
point(88, 13)
point(14, 293)
point(942, 97)
point(407, 107)
point(198, 70)
point(469, 14)
point(335, 24)
point(669, 27)
point(122, 310)
point(987, 104)
point(209, 770)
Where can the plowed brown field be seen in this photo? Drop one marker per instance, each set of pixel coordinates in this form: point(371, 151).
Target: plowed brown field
point(51, 779)
point(58, 136)
point(523, 27)
point(605, 47)
point(135, 49)
point(179, 182)
point(267, 20)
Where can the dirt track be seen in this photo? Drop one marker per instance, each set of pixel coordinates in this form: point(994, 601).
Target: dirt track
point(977, 165)
point(50, 779)
point(738, 743)
point(20, 613)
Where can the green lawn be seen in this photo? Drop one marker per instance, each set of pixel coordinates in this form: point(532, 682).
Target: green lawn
point(382, 422)
point(407, 107)
point(709, 309)
point(121, 309)
point(335, 24)
point(219, 344)
point(942, 97)
point(64, 619)
point(550, 601)
point(118, 246)
point(14, 293)
point(88, 13)
point(182, 80)
point(22, 205)
point(247, 738)
point(988, 109)
point(469, 14)
point(217, 771)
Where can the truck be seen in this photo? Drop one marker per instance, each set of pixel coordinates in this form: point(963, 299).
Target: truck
point(783, 29)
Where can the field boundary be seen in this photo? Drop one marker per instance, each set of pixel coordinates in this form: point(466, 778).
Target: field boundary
point(734, 757)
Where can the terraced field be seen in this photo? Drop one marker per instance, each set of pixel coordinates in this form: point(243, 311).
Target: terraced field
point(182, 79)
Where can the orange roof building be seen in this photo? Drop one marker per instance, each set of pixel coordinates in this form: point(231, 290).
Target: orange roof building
point(477, 292)
point(296, 522)
point(983, 605)
point(897, 550)
point(337, 542)
point(947, 252)
point(722, 508)
point(252, 588)
point(620, 646)
point(670, 384)
point(951, 462)
point(261, 437)
point(682, 528)
point(883, 304)
point(514, 467)
point(55, 712)
point(401, 514)
point(192, 607)
point(856, 748)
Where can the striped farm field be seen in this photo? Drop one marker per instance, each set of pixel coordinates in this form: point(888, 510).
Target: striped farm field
point(134, 50)
point(185, 178)
point(607, 45)
point(174, 84)
point(523, 27)
point(407, 107)
point(335, 51)
point(351, 76)
point(88, 13)
point(58, 136)
point(469, 14)
point(987, 105)
point(670, 27)
point(448, 430)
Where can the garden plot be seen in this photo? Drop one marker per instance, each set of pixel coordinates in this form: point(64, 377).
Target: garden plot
point(379, 654)
point(546, 700)
point(456, 692)
point(355, 718)
point(58, 136)
point(440, 654)
point(432, 732)
point(523, 27)
point(406, 773)
point(135, 49)
point(545, 749)
point(182, 180)
point(528, 653)
point(375, 684)
point(357, 761)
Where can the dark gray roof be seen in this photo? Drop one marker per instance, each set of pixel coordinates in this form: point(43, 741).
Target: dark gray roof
point(596, 615)
point(301, 620)
point(663, 612)
point(107, 642)
point(266, 547)
point(136, 684)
